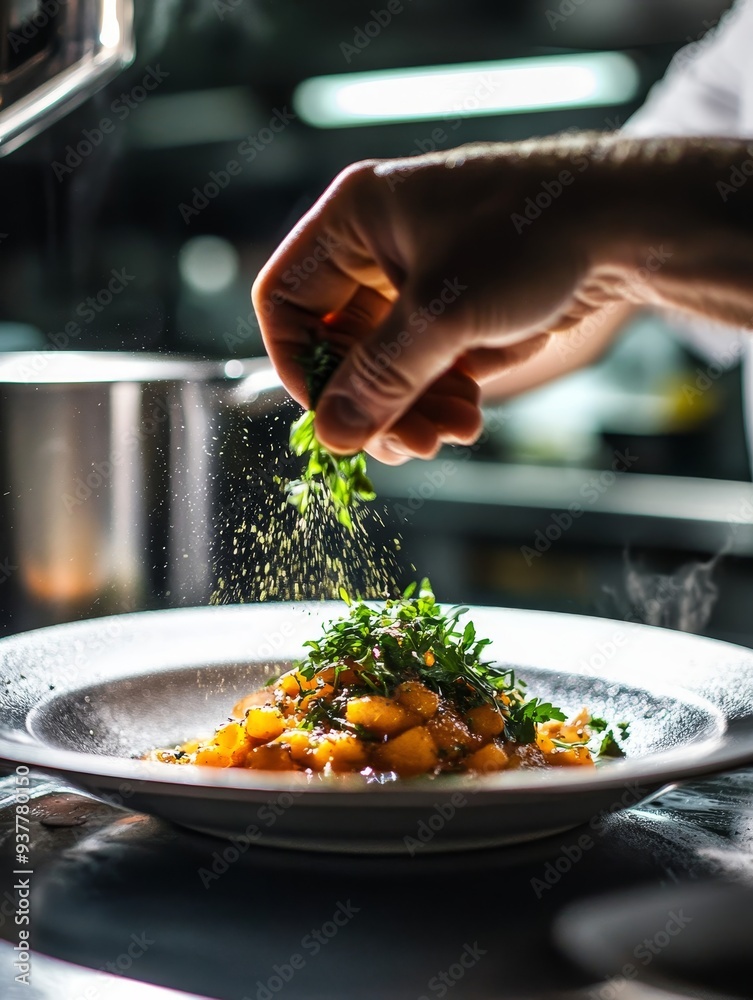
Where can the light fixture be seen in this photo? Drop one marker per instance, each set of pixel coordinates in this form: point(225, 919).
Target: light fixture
point(507, 86)
point(208, 264)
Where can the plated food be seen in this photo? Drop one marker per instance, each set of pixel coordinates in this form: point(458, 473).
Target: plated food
point(96, 693)
point(399, 689)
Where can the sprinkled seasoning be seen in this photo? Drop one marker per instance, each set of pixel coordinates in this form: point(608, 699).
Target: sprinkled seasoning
point(267, 550)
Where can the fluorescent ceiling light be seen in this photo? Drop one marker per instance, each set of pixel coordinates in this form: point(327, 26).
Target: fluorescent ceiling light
point(490, 88)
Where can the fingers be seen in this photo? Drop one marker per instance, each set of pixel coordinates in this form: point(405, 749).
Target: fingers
point(318, 271)
point(413, 436)
point(381, 377)
point(428, 425)
point(485, 363)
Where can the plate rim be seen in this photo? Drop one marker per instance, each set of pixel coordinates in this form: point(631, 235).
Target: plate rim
point(716, 753)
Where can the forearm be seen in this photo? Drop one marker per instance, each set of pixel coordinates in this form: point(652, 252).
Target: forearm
point(676, 224)
point(565, 352)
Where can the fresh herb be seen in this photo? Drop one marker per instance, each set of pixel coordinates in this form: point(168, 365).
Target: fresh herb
point(411, 637)
point(525, 716)
point(597, 725)
point(610, 747)
point(342, 478)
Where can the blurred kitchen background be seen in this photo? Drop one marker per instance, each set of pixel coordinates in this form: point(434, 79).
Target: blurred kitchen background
point(609, 493)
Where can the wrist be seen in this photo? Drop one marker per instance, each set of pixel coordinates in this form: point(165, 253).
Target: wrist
point(666, 214)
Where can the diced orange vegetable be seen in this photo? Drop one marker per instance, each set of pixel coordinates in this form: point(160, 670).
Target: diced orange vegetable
point(213, 756)
point(418, 698)
point(560, 756)
point(264, 723)
point(249, 701)
point(380, 715)
point(229, 736)
point(485, 721)
point(294, 684)
point(449, 732)
point(270, 757)
point(491, 757)
point(298, 742)
point(348, 753)
point(412, 752)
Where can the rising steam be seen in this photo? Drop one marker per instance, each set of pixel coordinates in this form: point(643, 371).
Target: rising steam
point(683, 600)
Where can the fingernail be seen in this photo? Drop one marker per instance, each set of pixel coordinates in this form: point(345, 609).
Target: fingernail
point(393, 444)
point(342, 426)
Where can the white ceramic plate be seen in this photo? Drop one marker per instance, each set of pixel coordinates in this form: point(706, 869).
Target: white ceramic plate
point(82, 700)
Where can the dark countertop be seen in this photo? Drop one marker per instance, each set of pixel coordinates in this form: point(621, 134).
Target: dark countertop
point(125, 893)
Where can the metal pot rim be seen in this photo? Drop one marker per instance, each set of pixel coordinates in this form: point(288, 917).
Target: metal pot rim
point(85, 367)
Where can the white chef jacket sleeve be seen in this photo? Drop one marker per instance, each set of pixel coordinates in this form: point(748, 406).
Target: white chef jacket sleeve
point(704, 90)
point(707, 90)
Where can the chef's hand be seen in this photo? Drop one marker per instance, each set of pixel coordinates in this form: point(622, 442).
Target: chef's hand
point(435, 273)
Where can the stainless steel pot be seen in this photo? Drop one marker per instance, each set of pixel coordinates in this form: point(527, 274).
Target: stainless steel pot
point(117, 472)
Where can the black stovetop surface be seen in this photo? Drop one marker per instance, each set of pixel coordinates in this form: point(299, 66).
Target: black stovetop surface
point(129, 895)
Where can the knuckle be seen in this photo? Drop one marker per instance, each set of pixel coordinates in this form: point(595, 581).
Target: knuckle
point(375, 377)
point(355, 177)
point(264, 287)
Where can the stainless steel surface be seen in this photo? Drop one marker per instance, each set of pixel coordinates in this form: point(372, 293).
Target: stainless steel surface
point(112, 469)
point(81, 700)
point(53, 55)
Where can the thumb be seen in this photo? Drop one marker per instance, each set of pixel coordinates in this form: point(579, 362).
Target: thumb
point(382, 376)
